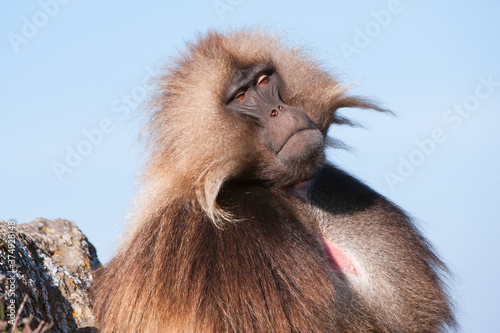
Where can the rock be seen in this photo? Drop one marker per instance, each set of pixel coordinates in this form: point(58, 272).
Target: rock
point(51, 262)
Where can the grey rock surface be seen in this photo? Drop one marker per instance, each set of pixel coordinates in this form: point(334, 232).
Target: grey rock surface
point(52, 262)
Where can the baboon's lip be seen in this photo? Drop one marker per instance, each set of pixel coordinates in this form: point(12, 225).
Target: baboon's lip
point(292, 135)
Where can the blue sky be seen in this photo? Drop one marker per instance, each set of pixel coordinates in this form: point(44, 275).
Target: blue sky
point(73, 75)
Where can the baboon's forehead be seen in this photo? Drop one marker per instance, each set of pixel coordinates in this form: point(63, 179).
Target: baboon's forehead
point(210, 64)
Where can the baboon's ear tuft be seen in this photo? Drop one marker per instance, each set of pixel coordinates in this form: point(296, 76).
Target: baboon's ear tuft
point(346, 101)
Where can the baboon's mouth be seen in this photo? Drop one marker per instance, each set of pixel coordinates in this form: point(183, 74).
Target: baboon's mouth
point(301, 146)
point(293, 135)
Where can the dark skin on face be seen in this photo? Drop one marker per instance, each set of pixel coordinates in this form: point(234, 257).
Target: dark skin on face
point(288, 132)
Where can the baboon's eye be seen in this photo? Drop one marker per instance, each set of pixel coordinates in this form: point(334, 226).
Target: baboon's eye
point(263, 79)
point(240, 96)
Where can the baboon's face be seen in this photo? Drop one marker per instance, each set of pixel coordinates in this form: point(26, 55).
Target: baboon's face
point(293, 143)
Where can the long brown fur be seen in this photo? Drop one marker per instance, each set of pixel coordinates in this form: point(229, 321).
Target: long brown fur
point(206, 253)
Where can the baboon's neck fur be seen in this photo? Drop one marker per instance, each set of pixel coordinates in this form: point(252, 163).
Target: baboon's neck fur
point(264, 273)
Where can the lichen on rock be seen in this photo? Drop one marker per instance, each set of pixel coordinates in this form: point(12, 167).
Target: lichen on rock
point(52, 262)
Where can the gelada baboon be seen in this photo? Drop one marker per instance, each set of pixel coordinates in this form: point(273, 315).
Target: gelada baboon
point(241, 225)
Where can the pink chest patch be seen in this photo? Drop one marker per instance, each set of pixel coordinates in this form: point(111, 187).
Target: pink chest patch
point(338, 258)
point(335, 255)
